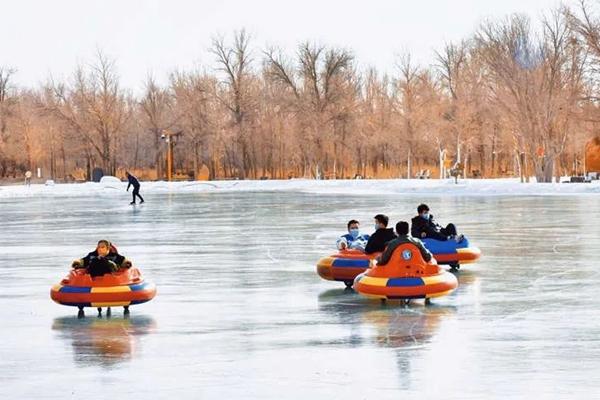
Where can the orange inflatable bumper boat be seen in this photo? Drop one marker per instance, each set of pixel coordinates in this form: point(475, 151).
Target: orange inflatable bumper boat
point(344, 266)
point(406, 276)
point(122, 288)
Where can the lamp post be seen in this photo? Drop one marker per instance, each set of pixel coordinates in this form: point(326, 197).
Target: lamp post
point(170, 138)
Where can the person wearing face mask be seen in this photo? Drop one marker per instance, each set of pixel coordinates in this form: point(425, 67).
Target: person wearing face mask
point(104, 260)
point(423, 226)
point(382, 235)
point(353, 239)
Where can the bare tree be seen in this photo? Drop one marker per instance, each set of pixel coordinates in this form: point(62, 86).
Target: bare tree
point(318, 82)
point(195, 105)
point(94, 107)
point(409, 105)
point(234, 61)
point(156, 108)
point(537, 81)
point(464, 79)
point(7, 101)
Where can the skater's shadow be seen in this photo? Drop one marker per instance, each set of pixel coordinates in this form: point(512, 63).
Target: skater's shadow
point(135, 209)
point(101, 341)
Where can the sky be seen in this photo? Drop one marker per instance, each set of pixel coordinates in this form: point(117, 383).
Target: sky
point(43, 38)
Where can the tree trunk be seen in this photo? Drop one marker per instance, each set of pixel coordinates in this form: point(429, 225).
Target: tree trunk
point(522, 166)
point(408, 164)
point(441, 163)
point(196, 157)
point(544, 169)
point(157, 155)
point(88, 170)
point(137, 150)
point(212, 169)
point(64, 160)
point(482, 160)
point(52, 161)
point(548, 168)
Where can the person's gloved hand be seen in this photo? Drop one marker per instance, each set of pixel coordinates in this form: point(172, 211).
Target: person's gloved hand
point(113, 267)
point(342, 243)
point(126, 264)
point(76, 264)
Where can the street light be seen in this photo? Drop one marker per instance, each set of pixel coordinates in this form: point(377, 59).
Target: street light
point(170, 138)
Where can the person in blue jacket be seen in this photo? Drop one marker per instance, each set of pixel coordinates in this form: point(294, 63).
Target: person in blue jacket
point(133, 181)
point(353, 239)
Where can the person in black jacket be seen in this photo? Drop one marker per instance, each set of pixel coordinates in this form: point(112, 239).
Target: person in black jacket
point(382, 235)
point(104, 260)
point(423, 226)
point(133, 181)
point(403, 237)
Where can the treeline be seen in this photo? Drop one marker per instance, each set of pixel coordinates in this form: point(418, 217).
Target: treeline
point(508, 100)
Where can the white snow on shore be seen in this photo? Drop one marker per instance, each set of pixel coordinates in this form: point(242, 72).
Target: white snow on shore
point(476, 187)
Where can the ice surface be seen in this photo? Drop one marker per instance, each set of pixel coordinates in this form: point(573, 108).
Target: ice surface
point(241, 313)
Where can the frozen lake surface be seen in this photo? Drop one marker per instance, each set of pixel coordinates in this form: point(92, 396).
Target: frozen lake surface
point(241, 313)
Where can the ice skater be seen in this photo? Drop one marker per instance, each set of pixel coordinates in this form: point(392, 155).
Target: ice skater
point(133, 181)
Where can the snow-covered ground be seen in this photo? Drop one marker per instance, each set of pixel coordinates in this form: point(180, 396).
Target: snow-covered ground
point(475, 187)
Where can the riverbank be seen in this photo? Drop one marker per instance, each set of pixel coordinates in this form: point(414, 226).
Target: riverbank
point(483, 187)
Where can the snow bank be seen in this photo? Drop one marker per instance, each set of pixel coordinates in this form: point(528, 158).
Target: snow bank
point(110, 180)
point(474, 187)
